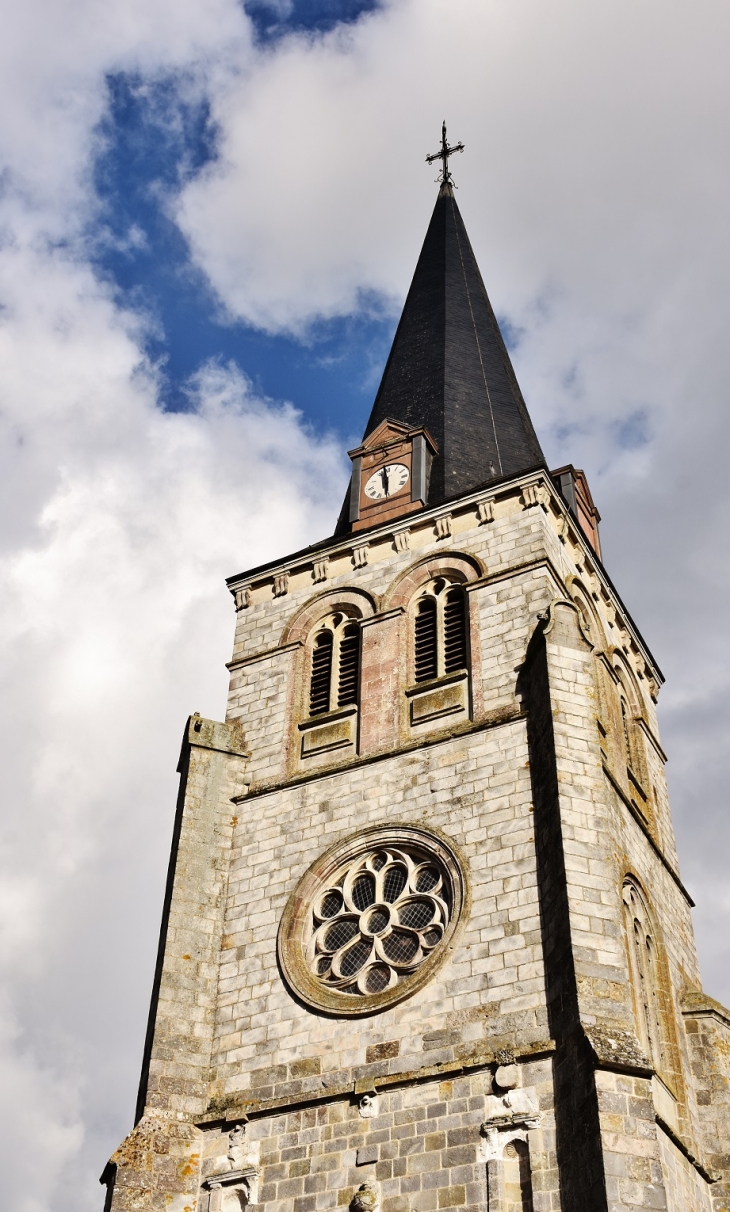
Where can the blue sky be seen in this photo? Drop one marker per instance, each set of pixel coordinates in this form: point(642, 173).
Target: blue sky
point(153, 137)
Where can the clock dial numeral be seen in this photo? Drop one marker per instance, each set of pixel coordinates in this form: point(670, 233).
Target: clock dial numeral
point(387, 481)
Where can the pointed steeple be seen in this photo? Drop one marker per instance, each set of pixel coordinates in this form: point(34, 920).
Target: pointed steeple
point(449, 371)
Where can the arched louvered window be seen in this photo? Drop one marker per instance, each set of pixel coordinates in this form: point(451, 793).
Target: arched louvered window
point(321, 681)
point(335, 670)
point(426, 640)
point(454, 631)
point(644, 974)
point(349, 665)
point(440, 644)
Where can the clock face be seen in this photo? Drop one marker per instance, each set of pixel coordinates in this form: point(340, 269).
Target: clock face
point(387, 481)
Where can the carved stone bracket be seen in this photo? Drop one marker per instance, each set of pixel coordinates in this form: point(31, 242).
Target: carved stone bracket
point(402, 540)
point(485, 510)
point(321, 570)
point(281, 584)
point(242, 598)
point(366, 1198)
point(534, 494)
point(443, 526)
point(368, 1106)
point(360, 556)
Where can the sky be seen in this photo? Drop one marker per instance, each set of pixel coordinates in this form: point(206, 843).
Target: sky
point(209, 215)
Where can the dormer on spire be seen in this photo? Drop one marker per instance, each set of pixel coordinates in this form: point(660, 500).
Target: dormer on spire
point(390, 474)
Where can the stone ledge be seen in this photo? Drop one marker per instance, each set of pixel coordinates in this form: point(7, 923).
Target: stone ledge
point(438, 697)
point(617, 1050)
point(371, 1078)
point(710, 1176)
point(697, 1004)
point(201, 733)
point(493, 719)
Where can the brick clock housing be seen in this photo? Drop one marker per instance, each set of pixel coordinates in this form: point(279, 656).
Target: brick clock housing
point(390, 474)
point(425, 942)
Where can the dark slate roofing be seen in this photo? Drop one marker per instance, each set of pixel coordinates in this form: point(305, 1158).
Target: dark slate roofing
point(449, 369)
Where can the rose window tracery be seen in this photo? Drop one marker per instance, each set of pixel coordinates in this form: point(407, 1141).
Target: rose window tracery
point(373, 918)
point(379, 918)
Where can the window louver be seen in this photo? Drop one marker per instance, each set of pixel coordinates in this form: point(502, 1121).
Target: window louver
point(349, 666)
point(319, 689)
point(425, 640)
point(454, 632)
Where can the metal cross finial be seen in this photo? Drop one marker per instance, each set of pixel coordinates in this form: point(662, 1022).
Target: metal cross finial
point(445, 176)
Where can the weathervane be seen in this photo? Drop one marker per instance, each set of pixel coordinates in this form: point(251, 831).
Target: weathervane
point(445, 176)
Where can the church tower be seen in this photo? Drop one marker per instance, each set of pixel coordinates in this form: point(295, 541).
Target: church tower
point(425, 943)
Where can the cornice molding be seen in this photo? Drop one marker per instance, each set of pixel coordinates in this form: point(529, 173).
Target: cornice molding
point(539, 489)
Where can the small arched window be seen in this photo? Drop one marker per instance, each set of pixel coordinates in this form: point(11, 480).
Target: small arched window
point(440, 644)
point(643, 968)
point(626, 736)
point(335, 669)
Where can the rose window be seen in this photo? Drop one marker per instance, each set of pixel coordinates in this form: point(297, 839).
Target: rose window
point(372, 918)
point(377, 921)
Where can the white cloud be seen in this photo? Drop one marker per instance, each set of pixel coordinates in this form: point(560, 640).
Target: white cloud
point(115, 624)
point(594, 188)
point(121, 522)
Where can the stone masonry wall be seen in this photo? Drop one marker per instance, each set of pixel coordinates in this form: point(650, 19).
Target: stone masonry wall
point(477, 790)
point(423, 1149)
point(529, 786)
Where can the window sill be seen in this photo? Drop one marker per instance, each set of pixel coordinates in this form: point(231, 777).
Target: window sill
point(439, 697)
point(331, 730)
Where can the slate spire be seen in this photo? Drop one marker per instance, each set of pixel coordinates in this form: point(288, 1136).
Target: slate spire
point(449, 370)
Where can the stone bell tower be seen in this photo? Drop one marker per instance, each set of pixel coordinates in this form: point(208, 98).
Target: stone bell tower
point(425, 942)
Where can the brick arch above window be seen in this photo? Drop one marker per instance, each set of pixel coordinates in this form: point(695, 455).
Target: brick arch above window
point(453, 565)
point(353, 602)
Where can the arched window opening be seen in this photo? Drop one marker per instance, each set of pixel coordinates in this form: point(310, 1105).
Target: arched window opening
point(320, 685)
point(349, 670)
point(426, 640)
point(454, 631)
point(644, 974)
point(625, 728)
point(440, 635)
point(335, 675)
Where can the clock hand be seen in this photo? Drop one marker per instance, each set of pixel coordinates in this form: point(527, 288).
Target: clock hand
point(384, 478)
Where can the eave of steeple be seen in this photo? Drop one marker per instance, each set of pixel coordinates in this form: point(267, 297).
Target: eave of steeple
point(449, 370)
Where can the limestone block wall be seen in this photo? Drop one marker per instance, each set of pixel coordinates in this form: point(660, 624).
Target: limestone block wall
point(476, 788)
point(707, 1026)
point(591, 877)
point(685, 1188)
point(175, 1069)
point(643, 1166)
point(671, 910)
point(423, 1147)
